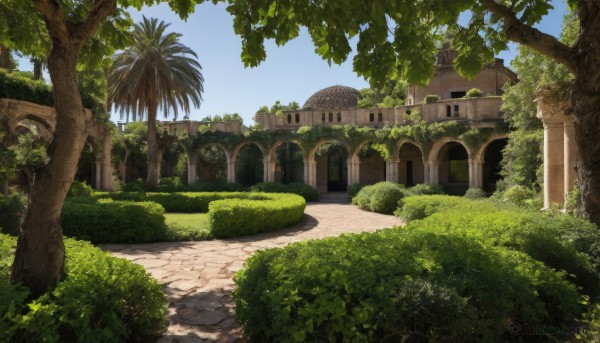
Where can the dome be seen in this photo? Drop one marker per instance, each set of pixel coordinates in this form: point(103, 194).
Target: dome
point(334, 98)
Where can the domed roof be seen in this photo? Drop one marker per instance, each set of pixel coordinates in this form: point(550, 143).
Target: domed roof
point(334, 97)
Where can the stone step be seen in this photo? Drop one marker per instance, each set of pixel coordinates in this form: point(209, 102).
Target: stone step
point(335, 197)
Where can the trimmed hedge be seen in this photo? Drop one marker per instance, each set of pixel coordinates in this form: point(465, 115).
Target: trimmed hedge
point(237, 217)
point(233, 214)
point(419, 207)
point(382, 197)
point(396, 284)
point(102, 299)
point(110, 221)
point(307, 192)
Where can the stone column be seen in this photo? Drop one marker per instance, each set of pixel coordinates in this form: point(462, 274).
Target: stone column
point(433, 173)
point(353, 166)
point(98, 180)
point(426, 179)
point(230, 171)
point(475, 174)
point(192, 169)
point(312, 174)
point(270, 166)
point(570, 153)
point(266, 171)
point(391, 171)
point(552, 103)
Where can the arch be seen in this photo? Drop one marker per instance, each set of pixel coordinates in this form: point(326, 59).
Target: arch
point(210, 164)
point(371, 164)
point(437, 146)
point(248, 159)
point(288, 162)
point(452, 159)
point(479, 154)
point(411, 168)
point(86, 167)
point(236, 149)
point(332, 168)
point(492, 157)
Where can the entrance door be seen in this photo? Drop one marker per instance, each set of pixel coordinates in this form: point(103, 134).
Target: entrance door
point(336, 173)
point(409, 174)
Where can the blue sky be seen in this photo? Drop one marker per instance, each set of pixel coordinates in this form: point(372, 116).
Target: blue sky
point(290, 73)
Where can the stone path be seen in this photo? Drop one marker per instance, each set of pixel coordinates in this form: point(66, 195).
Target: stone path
point(197, 276)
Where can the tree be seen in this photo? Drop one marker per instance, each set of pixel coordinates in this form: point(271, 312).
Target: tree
point(397, 39)
point(156, 71)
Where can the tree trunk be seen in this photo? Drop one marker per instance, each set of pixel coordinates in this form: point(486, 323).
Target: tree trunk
point(585, 99)
point(5, 61)
point(153, 153)
point(39, 258)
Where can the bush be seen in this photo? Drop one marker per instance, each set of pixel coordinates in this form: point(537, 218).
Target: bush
point(430, 99)
point(419, 207)
point(522, 196)
point(246, 216)
point(12, 208)
point(217, 187)
point(424, 189)
point(110, 221)
point(299, 188)
point(418, 285)
point(382, 197)
point(102, 299)
point(475, 193)
point(80, 189)
point(171, 184)
point(354, 189)
point(474, 93)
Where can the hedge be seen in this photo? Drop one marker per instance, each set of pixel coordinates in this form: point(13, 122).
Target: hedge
point(382, 197)
point(419, 207)
point(101, 299)
point(237, 217)
point(299, 188)
point(396, 285)
point(232, 213)
point(110, 221)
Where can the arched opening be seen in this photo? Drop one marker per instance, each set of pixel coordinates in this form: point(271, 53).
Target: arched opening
point(289, 163)
point(372, 165)
point(86, 167)
point(411, 170)
point(332, 168)
point(249, 165)
point(212, 164)
point(453, 171)
point(491, 164)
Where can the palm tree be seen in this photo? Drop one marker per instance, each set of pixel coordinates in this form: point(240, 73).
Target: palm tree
point(155, 71)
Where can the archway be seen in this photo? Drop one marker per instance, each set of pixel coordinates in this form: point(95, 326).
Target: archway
point(212, 164)
point(491, 164)
point(86, 167)
point(332, 167)
point(372, 165)
point(289, 163)
point(411, 170)
point(249, 167)
point(453, 174)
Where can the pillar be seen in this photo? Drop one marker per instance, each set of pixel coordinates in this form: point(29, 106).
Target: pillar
point(570, 154)
point(426, 179)
point(433, 173)
point(268, 176)
point(353, 170)
point(312, 173)
point(230, 170)
point(192, 169)
point(391, 171)
point(559, 142)
point(475, 174)
point(98, 179)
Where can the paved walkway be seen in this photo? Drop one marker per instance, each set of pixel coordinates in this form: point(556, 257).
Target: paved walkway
point(197, 276)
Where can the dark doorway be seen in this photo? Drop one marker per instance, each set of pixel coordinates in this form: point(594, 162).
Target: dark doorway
point(289, 165)
point(491, 165)
point(409, 174)
point(457, 95)
point(336, 172)
point(249, 165)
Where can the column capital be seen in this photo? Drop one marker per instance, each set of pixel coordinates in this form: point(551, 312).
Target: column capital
point(552, 102)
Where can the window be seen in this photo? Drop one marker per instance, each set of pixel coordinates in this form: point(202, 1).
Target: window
point(339, 117)
point(408, 112)
point(371, 117)
point(456, 110)
point(323, 117)
point(289, 118)
point(331, 117)
point(379, 117)
point(297, 118)
point(457, 95)
point(448, 111)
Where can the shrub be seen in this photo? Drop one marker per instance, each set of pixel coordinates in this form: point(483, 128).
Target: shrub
point(299, 188)
point(12, 208)
point(102, 299)
point(430, 99)
point(419, 207)
point(397, 283)
point(110, 221)
point(475, 193)
point(238, 217)
point(217, 187)
point(474, 93)
point(424, 189)
point(171, 184)
point(354, 189)
point(80, 189)
point(382, 197)
point(520, 195)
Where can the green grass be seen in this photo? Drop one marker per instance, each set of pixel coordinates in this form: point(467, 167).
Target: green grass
point(188, 226)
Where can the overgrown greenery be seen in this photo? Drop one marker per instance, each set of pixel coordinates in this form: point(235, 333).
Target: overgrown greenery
point(102, 299)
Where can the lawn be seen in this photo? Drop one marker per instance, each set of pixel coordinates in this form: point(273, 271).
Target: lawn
point(188, 226)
